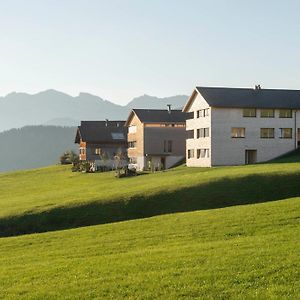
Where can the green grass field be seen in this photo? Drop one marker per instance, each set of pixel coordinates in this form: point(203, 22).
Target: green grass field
point(220, 233)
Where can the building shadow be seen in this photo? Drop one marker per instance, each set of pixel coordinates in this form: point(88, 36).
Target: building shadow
point(216, 194)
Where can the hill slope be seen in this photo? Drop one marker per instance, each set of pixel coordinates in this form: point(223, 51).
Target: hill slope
point(243, 252)
point(55, 198)
point(34, 146)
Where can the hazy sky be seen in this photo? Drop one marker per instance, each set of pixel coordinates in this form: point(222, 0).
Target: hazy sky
point(123, 49)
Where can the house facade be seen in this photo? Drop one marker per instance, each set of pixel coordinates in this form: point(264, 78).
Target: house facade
point(235, 126)
point(156, 138)
point(100, 141)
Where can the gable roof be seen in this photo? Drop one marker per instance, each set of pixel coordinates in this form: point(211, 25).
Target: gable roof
point(157, 116)
point(101, 132)
point(247, 98)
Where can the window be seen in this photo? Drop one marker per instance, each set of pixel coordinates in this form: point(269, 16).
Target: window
point(202, 133)
point(97, 151)
point(168, 146)
point(249, 112)
point(82, 151)
point(267, 133)
point(237, 132)
point(191, 153)
point(202, 113)
point(132, 129)
point(202, 153)
point(286, 133)
point(267, 113)
point(132, 144)
point(190, 134)
point(285, 113)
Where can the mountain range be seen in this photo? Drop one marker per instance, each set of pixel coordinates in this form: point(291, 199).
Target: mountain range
point(59, 109)
point(26, 144)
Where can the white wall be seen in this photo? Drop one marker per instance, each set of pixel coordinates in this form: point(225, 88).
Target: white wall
point(231, 151)
point(201, 143)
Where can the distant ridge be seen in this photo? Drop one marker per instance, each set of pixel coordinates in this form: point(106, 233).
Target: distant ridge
point(34, 146)
point(52, 107)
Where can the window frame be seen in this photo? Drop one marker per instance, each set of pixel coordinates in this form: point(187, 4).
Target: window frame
point(285, 110)
point(267, 137)
point(267, 115)
point(239, 136)
point(281, 130)
point(249, 116)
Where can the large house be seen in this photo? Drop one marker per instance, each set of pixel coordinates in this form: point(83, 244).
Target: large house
point(100, 141)
point(156, 138)
point(235, 126)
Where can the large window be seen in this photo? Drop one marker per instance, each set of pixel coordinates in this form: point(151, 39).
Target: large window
point(267, 133)
point(267, 113)
point(249, 112)
point(202, 133)
point(285, 113)
point(191, 153)
point(237, 132)
point(168, 146)
point(132, 144)
point(286, 133)
point(202, 113)
point(202, 153)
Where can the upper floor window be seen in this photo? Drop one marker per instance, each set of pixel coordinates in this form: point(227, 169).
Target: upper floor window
point(286, 133)
point(202, 133)
point(132, 129)
point(249, 112)
point(132, 144)
point(285, 113)
point(190, 134)
point(168, 145)
point(203, 113)
point(267, 113)
point(97, 151)
point(237, 132)
point(267, 133)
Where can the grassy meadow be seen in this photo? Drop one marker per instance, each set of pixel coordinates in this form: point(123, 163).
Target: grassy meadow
point(241, 252)
point(55, 198)
point(220, 233)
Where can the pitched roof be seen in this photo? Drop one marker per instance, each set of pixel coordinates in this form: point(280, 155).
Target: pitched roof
point(158, 116)
point(247, 97)
point(101, 132)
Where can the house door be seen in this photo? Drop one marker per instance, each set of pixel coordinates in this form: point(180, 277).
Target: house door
point(250, 157)
point(163, 163)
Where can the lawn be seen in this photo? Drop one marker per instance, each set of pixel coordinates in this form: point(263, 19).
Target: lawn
point(241, 252)
point(55, 198)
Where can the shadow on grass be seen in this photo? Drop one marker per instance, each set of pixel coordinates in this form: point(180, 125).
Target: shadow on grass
point(217, 194)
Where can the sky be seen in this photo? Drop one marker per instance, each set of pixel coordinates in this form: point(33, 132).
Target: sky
point(121, 49)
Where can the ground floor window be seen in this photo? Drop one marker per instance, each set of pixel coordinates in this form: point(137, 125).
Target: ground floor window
point(202, 153)
point(191, 153)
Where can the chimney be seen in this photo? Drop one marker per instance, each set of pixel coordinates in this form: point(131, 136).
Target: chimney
point(257, 87)
point(106, 122)
point(169, 108)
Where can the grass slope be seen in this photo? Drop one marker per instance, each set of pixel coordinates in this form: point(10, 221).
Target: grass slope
point(55, 198)
point(241, 252)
